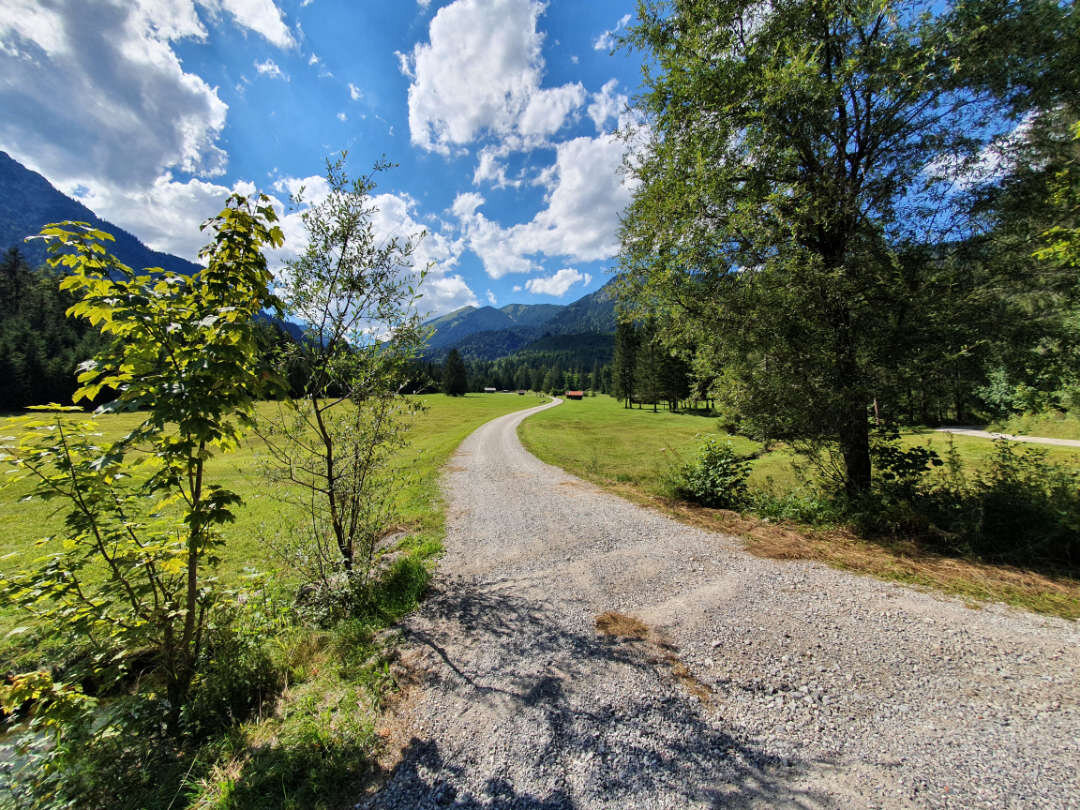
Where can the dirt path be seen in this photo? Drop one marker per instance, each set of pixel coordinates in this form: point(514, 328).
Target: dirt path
point(720, 679)
point(983, 434)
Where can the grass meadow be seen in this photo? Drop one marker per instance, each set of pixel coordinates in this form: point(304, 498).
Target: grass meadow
point(633, 452)
point(436, 432)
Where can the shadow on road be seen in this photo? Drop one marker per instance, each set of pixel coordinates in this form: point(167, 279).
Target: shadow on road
point(581, 720)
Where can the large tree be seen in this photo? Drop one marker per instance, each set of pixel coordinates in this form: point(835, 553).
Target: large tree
point(799, 151)
point(454, 379)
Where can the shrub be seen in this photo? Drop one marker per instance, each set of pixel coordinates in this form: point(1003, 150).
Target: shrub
point(716, 479)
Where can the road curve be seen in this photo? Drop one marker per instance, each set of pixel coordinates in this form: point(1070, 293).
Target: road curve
point(758, 684)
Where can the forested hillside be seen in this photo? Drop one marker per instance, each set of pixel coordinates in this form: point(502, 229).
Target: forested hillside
point(28, 201)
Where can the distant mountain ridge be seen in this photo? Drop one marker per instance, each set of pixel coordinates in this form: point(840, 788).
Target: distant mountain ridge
point(28, 201)
point(487, 333)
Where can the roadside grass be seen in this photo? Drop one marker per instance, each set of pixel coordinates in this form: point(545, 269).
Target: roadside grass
point(1049, 425)
point(315, 744)
point(437, 431)
point(633, 452)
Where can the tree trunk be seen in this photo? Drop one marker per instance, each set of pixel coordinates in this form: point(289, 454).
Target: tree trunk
point(855, 447)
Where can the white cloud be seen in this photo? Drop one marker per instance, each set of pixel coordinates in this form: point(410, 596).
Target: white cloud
point(548, 109)
point(491, 298)
point(607, 104)
point(314, 60)
point(517, 288)
point(270, 69)
point(588, 192)
point(314, 189)
point(424, 4)
point(165, 215)
point(342, 117)
point(92, 89)
point(606, 41)
point(558, 284)
point(490, 169)
point(479, 74)
point(261, 16)
point(442, 295)
point(355, 93)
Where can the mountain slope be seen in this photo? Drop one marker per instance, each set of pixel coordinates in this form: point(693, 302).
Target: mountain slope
point(486, 333)
point(28, 201)
point(531, 314)
point(594, 312)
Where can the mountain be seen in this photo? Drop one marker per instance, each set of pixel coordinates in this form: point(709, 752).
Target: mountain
point(487, 333)
point(531, 314)
point(594, 312)
point(28, 201)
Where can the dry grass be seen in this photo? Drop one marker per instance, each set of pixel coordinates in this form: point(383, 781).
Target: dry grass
point(655, 647)
point(902, 561)
point(621, 626)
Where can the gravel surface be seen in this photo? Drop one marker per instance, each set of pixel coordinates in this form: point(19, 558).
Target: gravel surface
point(759, 684)
point(983, 434)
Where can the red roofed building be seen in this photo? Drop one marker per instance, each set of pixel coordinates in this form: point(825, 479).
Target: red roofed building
point(575, 394)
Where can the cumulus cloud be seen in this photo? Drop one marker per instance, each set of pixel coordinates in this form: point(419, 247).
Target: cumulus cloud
point(547, 110)
point(588, 192)
point(93, 89)
point(355, 93)
point(606, 41)
point(558, 284)
point(342, 117)
point(491, 298)
point(166, 214)
point(479, 73)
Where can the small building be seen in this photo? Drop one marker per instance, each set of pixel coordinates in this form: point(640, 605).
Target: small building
point(489, 390)
point(575, 394)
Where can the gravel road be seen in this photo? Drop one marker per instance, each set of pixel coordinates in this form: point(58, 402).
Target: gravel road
point(983, 434)
point(738, 681)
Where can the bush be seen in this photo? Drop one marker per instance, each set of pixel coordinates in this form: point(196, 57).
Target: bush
point(1022, 509)
point(716, 479)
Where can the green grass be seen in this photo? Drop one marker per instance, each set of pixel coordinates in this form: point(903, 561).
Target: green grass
point(597, 438)
point(631, 452)
point(437, 432)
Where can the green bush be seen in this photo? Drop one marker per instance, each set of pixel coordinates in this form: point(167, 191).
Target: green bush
point(716, 478)
point(1022, 509)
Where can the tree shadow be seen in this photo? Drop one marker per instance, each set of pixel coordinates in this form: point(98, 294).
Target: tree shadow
point(584, 720)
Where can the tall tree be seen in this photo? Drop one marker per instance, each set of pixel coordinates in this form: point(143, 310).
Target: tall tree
point(797, 147)
point(625, 361)
point(455, 381)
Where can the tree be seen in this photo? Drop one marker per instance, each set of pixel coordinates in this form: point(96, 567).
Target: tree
point(332, 444)
point(454, 381)
point(625, 361)
point(797, 148)
point(143, 515)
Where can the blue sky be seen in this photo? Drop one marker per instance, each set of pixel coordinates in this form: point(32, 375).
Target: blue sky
point(502, 116)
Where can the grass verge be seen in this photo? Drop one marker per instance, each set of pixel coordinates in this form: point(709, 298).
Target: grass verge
point(314, 742)
point(630, 452)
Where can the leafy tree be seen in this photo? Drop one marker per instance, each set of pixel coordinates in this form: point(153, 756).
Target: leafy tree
point(454, 381)
point(798, 148)
point(143, 519)
point(332, 444)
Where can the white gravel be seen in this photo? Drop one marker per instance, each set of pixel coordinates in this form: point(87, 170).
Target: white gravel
point(828, 689)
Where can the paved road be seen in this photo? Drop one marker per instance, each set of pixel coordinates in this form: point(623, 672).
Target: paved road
point(715, 678)
point(968, 431)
